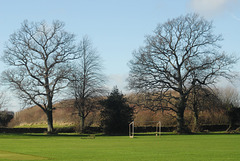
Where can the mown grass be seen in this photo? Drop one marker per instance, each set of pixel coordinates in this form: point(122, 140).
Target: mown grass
point(211, 147)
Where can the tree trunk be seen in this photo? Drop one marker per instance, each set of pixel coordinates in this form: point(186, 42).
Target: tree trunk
point(231, 127)
point(196, 127)
point(232, 115)
point(180, 121)
point(181, 129)
point(49, 121)
point(82, 124)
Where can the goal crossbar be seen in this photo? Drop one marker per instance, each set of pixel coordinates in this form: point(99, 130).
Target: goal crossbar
point(131, 127)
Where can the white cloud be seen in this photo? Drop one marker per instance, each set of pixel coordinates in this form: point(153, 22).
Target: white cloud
point(210, 8)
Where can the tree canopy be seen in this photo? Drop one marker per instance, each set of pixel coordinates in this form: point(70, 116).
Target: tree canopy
point(38, 55)
point(181, 53)
point(86, 81)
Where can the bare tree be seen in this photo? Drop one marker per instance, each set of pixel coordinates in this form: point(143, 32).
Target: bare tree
point(178, 49)
point(202, 99)
point(87, 81)
point(229, 95)
point(230, 99)
point(2, 100)
point(38, 55)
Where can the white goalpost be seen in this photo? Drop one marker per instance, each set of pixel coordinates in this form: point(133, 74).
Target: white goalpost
point(132, 127)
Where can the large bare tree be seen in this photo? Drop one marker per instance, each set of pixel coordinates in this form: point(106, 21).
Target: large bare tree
point(182, 53)
point(87, 81)
point(38, 55)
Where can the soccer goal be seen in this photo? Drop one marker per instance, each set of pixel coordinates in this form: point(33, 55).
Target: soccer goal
point(133, 124)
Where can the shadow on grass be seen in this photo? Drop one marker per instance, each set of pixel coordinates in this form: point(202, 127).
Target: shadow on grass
point(6, 155)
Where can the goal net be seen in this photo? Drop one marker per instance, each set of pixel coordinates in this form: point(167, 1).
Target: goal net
point(150, 127)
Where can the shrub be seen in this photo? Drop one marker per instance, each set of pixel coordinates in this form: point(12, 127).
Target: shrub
point(5, 117)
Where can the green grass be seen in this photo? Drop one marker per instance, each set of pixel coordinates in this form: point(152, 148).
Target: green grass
point(212, 147)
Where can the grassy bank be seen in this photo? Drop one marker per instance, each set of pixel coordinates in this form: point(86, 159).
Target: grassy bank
point(116, 148)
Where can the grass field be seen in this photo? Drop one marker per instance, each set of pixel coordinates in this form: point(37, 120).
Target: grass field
point(212, 147)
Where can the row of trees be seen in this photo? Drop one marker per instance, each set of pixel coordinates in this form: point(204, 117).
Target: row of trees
point(181, 58)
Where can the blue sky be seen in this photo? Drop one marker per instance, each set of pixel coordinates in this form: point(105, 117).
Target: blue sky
point(117, 27)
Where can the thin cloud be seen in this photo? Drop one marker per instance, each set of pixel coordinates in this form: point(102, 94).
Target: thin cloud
point(211, 8)
point(235, 17)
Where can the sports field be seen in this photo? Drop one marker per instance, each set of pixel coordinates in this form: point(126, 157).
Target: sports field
point(212, 147)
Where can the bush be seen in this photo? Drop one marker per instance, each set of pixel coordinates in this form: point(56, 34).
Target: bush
point(5, 117)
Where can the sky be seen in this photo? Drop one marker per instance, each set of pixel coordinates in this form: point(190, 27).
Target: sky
point(118, 27)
